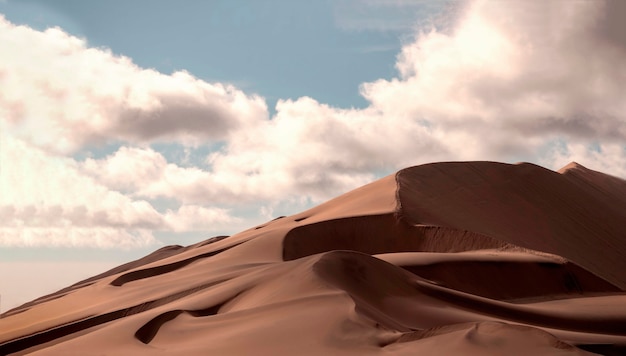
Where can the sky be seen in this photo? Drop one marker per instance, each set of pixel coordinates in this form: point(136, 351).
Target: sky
point(129, 125)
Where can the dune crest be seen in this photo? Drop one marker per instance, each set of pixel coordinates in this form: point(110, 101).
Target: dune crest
point(444, 258)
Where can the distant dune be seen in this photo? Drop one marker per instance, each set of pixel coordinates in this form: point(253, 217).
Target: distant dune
point(459, 258)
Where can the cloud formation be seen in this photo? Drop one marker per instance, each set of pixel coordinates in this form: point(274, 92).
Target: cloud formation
point(509, 82)
point(526, 81)
point(46, 200)
point(58, 93)
point(510, 75)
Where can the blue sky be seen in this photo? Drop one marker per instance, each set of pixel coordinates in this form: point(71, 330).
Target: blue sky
point(128, 125)
point(280, 49)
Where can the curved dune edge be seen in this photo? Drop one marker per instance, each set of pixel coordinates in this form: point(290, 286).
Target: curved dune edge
point(385, 307)
point(383, 233)
point(524, 205)
point(386, 304)
point(489, 273)
point(449, 258)
point(144, 273)
point(371, 280)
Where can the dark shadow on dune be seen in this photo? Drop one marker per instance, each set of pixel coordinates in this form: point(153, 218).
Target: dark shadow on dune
point(149, 330)
point(209, 241)
point(604, 349)
point(158, 270)
point(369, 281)
point(89, 322)
point(376, 234)
point(514, 281)
point(162, 253)
point(578, 214)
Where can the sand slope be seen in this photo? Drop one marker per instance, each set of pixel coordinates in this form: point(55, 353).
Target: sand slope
point(468, 258)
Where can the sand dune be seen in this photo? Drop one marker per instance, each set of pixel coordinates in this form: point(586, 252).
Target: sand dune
point(465, 258)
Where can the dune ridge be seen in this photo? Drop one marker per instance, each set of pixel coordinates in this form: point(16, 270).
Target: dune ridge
point(524, 205)
point(446, 258)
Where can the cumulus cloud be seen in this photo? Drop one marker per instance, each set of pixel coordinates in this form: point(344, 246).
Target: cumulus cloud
point(307, 150)
point(508, 76)
point(500, 81)
point(511, 81)
point(58, 93)
point(609, 157)
point(198, 218)
point(318, 150)
point(128, 169)
point(46, 200)
point(504, 82)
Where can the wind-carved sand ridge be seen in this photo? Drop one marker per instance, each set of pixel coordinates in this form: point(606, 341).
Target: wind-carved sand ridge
point(445, 258)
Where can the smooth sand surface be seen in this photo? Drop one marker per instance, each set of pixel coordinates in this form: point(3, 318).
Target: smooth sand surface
point(472, 258)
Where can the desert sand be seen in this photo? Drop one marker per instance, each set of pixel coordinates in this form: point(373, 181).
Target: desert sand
point(460, 258)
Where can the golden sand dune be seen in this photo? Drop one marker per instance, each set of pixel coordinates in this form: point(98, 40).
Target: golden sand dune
point(441, 259)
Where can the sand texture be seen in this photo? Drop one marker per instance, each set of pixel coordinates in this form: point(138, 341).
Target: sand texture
point(471, 258)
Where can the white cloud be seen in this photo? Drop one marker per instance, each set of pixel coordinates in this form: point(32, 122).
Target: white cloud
point(505, 83)
point(46, 200)
point(237, 178)
point(307, 150)
point(57, 96)
point(60, 94)
point(510, 76)
point(128, 169)
point(47, 186)
point(535, 81)
point(198, 218)
point(600, 157)
point(319, 151)
point(73, 236)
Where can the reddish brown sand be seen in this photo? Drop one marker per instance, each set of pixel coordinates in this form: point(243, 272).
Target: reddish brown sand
point(474, 258)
